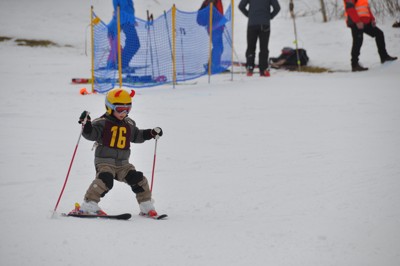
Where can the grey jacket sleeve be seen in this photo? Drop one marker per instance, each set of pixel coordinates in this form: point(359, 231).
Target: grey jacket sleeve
point(95, 134)
point(138, 135)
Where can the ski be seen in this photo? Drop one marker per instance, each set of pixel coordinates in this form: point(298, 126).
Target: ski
point(81, 81)
point(157, 217)
point(123, 216)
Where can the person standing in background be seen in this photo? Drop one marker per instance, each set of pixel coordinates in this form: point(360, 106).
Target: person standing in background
point(217, 32)
point(360, 20)
point(128, 26)
point(258, 28)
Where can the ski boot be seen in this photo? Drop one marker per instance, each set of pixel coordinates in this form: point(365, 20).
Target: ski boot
point(265, 73)
point(147, 209)
point(90, 207)
point(249, 71)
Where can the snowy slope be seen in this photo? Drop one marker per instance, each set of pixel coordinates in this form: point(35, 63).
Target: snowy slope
point(297, 169)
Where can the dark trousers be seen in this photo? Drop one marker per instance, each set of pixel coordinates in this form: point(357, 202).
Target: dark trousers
point(261, 33)
point(358, 37)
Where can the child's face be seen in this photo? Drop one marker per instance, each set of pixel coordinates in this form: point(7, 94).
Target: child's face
point(119, 116)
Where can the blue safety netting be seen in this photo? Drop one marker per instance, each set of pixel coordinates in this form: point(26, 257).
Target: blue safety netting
point(147, 49)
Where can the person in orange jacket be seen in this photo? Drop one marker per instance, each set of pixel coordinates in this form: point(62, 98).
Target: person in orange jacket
point(361, 20)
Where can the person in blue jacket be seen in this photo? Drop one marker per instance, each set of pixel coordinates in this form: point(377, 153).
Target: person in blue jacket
point(218, 22)
point(128, 24)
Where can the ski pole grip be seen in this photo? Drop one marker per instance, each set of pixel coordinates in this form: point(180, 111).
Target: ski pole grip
point(84, 120)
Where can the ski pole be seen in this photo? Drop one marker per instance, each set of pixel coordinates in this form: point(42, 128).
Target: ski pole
point(169, 37)
point(155, 44)
point(154, 165)
point(148, 39)
point(242, 68)
point(70, 164)
point(291, 8)
point(182, 33)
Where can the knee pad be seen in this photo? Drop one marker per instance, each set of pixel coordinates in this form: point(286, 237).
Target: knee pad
point(108, 179)
point(133, 178)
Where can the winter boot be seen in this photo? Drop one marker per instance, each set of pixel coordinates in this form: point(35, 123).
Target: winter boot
point(388, 58)
point(265, 73)
point(249, 71)
point(147, 208)
point(91, 207)
point(357, 68)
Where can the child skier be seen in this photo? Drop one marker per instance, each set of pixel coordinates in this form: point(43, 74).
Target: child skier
point(113, 133)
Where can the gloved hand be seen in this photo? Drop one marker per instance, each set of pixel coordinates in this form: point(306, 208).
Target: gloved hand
point(156, 132)
point(85, 114)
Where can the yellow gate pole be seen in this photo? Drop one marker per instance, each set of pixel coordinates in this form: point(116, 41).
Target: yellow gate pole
point(119, 47)
point(173, 45)
point(210, 42)
point(233, 31)
point(92, 23)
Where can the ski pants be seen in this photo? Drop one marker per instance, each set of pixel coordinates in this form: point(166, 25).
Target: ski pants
point(217, 46)
point(104, 181)
point(132, 45)
point(261, 33)
point(358, 37)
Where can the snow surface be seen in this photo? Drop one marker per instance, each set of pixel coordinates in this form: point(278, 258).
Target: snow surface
point(293, 170)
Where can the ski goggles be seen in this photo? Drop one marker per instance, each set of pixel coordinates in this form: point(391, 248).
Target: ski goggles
point(122, 108)
point(119, 108)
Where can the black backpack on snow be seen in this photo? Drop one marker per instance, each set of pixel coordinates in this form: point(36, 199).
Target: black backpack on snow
point(288, 58)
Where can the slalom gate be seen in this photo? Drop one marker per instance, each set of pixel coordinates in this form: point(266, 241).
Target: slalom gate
point(175, 47)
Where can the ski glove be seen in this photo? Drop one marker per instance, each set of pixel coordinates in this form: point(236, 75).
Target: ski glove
point(156, 132)
point(87, 128)
point(85, 114)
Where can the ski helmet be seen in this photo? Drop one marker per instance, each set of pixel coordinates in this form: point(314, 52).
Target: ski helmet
point(118, 97)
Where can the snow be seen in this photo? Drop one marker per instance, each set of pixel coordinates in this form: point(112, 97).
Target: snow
point(297, 169)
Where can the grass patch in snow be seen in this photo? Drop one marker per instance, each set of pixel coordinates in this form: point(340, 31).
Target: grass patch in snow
point(309, 69)
point(32, 42)
point(35, 43)
point(4, 38)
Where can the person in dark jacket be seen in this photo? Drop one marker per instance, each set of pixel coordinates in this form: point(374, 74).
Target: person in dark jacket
point(113, 133)
point(258, 28)
point(361, 20)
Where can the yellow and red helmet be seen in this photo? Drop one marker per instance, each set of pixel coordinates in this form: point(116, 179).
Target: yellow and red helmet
point(118, 98)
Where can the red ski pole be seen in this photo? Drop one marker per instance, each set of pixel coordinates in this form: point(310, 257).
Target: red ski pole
point(154, 165)
point(70, 164)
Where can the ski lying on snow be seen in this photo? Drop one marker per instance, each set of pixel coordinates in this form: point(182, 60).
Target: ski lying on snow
point(157, 217)
point(81, 80)
point(123, 216)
